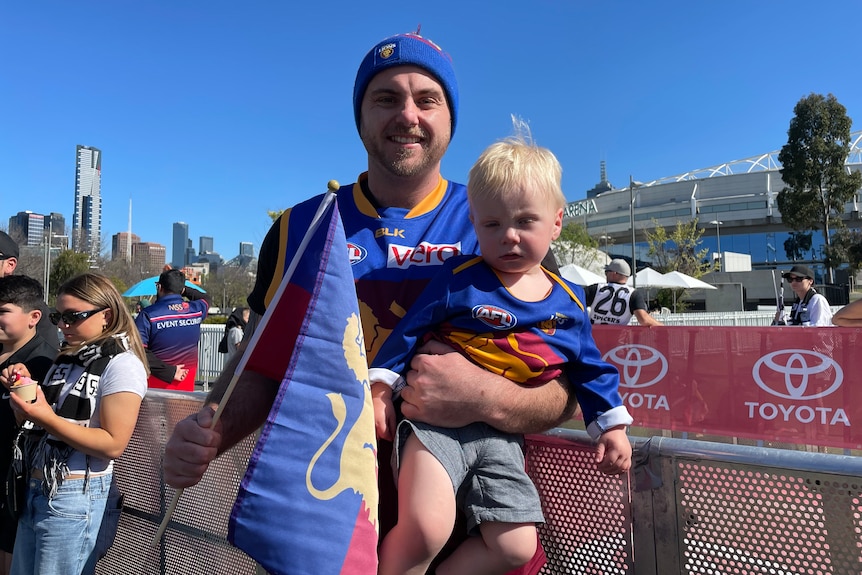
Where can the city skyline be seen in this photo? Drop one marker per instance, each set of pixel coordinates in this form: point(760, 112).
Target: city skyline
point(22, 224)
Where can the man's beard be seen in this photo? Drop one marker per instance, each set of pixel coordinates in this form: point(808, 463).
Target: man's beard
point(404, 163)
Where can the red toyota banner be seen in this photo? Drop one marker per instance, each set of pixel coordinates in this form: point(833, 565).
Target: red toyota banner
point(791, 384)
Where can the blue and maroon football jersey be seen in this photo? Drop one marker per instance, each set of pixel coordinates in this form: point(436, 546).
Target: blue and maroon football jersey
point(393, 252)
point(530, 343)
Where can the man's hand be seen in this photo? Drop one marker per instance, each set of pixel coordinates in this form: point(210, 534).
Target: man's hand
point(442, 387)
point(446, 389)
point(181, 372)
point(614, 452)
point(191, 448)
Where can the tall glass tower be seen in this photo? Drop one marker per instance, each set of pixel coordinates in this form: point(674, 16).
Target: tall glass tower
point(179, 245)
point(87, 219)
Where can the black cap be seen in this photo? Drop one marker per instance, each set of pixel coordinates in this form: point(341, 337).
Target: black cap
point(799, 270)
point(8, 247)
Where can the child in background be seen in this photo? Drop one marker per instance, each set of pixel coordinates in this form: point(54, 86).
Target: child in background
point(20, 312)
point(83, 417)
point(507, 313)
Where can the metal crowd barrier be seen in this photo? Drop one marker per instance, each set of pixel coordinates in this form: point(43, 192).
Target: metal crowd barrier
point(690, 507)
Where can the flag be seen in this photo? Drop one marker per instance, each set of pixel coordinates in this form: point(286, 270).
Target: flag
point(308, 501)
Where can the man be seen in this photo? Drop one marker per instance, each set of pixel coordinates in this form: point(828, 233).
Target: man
point(8, 263)
point(614, 302)
point(811, 308)
point(402, 220)
point(170, 330)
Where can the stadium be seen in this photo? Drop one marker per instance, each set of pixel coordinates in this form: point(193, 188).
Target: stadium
point(734, 202)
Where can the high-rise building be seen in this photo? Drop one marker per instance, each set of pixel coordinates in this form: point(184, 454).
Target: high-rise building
point(149, 257)
point(206, 245)
point(31, 229)
point(87, 220)
point(55, 224)
point(179, 245)
point(27, 228)
point(121, 245)
point(246, 249)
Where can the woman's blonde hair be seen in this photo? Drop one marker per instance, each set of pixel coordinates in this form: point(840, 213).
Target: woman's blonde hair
point(98, 290)
point(517, 164)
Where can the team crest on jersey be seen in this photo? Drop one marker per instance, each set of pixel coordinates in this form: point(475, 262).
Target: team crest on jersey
point(495, 317)
point(555, 321)
point(355, 253)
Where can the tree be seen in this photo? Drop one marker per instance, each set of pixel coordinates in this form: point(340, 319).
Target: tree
point(230, 288)
point(575, 246)
point(67, 265)
point(677, 251)
point(818, 184)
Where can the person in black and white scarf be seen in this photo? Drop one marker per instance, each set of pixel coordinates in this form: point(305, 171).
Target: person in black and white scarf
point(82, 419)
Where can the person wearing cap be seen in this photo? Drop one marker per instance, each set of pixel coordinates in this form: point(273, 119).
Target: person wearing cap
point(810, 308)
point(8, 264)
point(171, 329)
point(615, 302)
point(402, 220)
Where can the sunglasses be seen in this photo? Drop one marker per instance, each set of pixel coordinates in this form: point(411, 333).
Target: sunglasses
point(72, 317)
point(793, 279)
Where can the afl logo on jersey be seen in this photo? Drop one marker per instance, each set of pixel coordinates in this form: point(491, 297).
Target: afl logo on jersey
point(494, 316)
point(355, 253)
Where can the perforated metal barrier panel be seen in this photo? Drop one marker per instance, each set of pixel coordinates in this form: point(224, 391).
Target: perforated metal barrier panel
point(587, 520)
point(195, 541)
point(738, 520)
point(691, 507)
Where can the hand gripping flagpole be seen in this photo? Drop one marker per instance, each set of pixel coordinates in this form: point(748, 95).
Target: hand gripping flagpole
point(328, 198)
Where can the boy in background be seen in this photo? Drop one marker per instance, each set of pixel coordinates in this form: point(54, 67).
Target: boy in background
point(507, 313)
point(20, 312)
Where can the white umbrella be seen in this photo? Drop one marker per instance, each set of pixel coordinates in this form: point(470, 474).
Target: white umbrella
point(649, 278)
point(581, 276)
point(686, 281)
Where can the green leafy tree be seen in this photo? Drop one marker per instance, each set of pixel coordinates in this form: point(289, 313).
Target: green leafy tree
point(274, 214)
point(679, 251)
point(67, 265)
point(818, 185)
point(573, 244)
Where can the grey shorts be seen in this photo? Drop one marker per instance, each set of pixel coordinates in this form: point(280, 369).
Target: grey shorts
point(486, 467)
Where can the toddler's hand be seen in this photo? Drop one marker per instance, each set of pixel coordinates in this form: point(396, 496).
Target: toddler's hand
point(614, 451)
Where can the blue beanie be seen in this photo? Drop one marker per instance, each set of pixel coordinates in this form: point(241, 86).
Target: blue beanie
point(403, 50)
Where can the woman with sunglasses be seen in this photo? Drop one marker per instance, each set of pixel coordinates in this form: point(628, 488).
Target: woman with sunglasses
point(811, 308)
point(82, 419)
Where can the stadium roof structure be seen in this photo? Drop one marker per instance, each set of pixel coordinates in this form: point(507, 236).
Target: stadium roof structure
point(763, 162)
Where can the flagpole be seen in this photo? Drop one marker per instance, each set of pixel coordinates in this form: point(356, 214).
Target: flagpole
point(328, 198)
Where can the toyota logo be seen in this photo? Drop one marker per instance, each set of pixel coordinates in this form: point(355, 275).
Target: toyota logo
point(639, 365)
point(797, 374)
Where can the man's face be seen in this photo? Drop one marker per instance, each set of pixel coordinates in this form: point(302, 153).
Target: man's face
point(7, 266)
point(16, 324)
point(405, 122)
point(615, 278)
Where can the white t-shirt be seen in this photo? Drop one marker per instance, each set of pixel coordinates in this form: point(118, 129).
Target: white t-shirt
point(124, 372)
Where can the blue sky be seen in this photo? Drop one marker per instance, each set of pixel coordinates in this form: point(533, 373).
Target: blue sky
point(215, 112)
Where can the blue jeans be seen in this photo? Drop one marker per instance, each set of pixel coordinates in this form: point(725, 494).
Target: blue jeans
point(58, 536)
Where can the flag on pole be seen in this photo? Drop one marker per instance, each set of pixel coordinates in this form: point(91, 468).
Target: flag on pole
point(308, 501)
